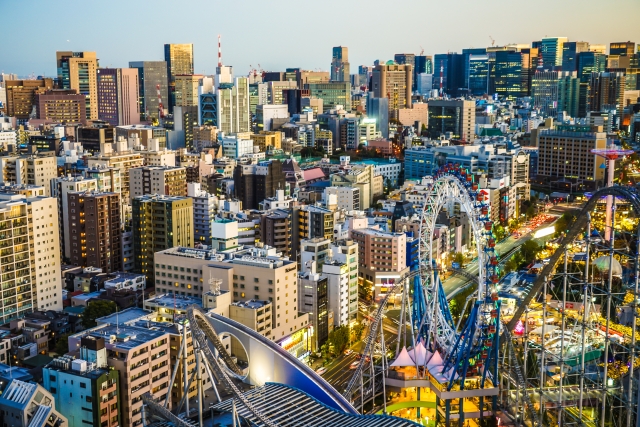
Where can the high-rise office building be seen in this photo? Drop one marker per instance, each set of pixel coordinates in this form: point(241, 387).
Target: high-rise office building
point(513, 72)
point(179, 59)
point(378, 110)
point(394, 82)
point(159, 223)
point(65, 106)
point(21, 96)
point(151, 74)
point(478, 75)
point(118, 96)
point(423, 65)
point(94, 226)
point(551, 51)
point(607, 92)
point(77, 70)
point(340, 69)
point(622, 48)
point(231, 107)
point(186, 89)
point(29, 227)
point(405, 59)
point(574, 162)
point(449, 73)
point(570, 51)
point(452, 116)
point(588, 63)
point(332, 93)
point(555, 91)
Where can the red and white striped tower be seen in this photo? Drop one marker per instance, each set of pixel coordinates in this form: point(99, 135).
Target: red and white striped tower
point(219, 52)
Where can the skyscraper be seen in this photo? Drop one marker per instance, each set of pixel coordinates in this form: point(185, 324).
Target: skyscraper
point(449, 71)
point(588, 62)
point(607, 92)
point(186, 89)
point(405, 59)
point(378, 110)
point(570, 51)
point(151, 74)
point(179, 59)
point(118, 96)
point(513, 72)
point(393, 81)
point(455, 116)
point(622, 48)
point(332, 94)
point(551, 49)
point(77, 70)
point(423, 65)
point(478, 75)
point(554, 92)
point(228, 107)
point(340, 64)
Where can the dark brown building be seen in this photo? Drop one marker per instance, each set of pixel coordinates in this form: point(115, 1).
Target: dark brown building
point(275, 230)
point(61, 106)
point(95, 233)
point(21, 96)
point(254, 183)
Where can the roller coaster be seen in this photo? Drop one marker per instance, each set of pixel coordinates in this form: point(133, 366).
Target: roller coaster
point(485, 344)
point(488, 347)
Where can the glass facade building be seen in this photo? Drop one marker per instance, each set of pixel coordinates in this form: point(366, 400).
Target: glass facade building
point(588, 62)
point(478, 75)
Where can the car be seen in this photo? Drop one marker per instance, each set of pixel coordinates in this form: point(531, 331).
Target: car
point(348, 352)
point(354, 365)
point(321, 370)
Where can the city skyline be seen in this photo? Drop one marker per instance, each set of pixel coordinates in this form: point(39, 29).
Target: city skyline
point(34, 51)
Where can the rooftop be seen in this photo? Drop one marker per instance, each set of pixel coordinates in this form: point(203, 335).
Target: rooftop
point(253, 304)
point(178, 302)
point(123, 336)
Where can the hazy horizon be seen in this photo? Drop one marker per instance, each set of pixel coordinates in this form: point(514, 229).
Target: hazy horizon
point(281, 33)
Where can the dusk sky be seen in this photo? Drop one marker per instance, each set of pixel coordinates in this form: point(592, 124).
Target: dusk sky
point(281, 33)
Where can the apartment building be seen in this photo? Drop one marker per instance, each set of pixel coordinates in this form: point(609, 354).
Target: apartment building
point(275, 230)
point(163, 180)
point(160, 222)
point(94, 226)
point(122, 161)
point(86, 392)
point(381, 259)
point(28, 404)
point(141, 358)
point(314, 300)
point(249, 273)
point(33, 170)
point(254, 314)
point(29, 255)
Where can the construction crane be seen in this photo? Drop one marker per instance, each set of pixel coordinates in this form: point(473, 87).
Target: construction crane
point(493, 42)
point(421, 51)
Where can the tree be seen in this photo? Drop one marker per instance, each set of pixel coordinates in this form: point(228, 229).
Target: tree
point(529, 250)
point(498, 231)
point(563, 223)
point(339, 339)
point(62, 345)
point(95, 310)
point(358, 330)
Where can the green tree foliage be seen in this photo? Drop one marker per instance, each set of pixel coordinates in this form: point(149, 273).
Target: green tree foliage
point(563, 223)
point(357, 331)
point(339, 339)
point(62, 345)
point(529, 250)
point(499, 232)
point(95, 310)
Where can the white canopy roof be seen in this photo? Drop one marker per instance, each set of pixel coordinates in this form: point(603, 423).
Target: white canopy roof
point(419, 354)
point(436, 360)
point(403, 359)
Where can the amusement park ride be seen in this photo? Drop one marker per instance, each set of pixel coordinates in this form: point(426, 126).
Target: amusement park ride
point(565, 353)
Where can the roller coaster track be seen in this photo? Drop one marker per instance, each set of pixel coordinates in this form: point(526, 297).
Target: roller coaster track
point(201, 331)
point(163, 412)
point(629, 193)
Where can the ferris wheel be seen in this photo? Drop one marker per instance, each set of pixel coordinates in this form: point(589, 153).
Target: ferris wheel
point(470, 350)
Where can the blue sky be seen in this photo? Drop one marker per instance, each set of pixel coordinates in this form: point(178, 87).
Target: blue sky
point(283, 33)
